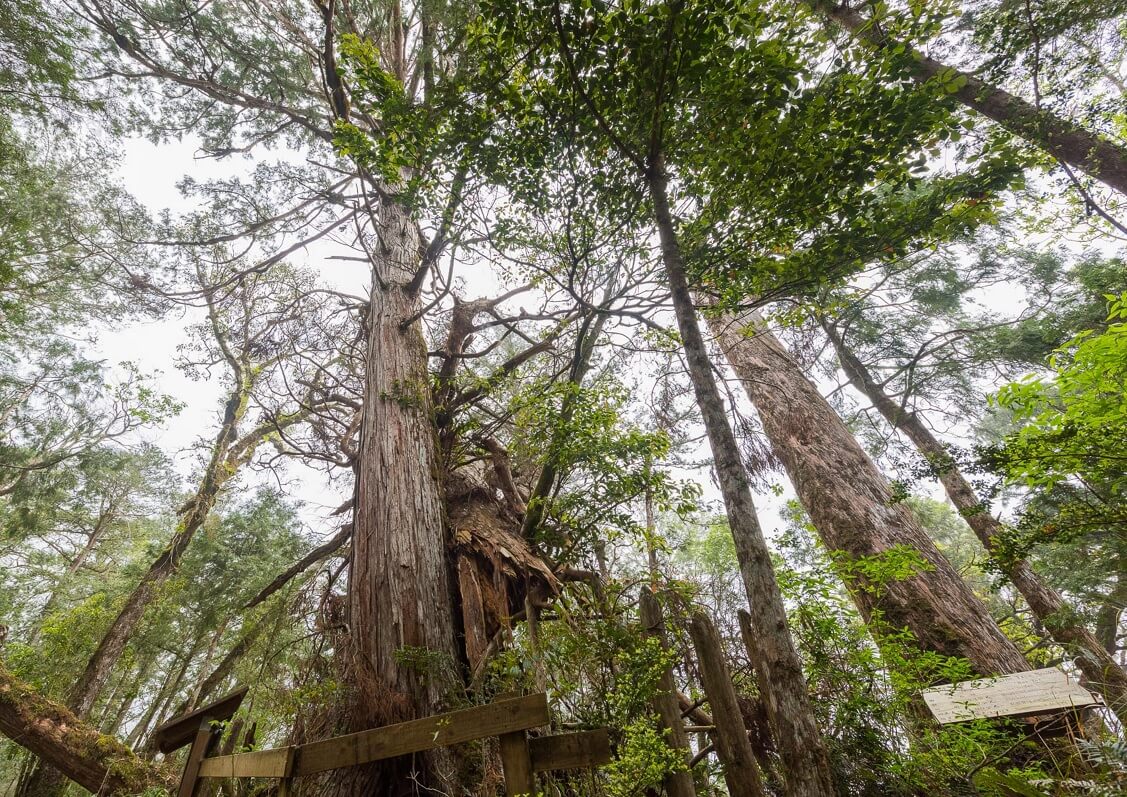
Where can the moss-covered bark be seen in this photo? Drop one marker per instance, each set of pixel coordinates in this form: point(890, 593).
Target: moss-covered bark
point(97, 762)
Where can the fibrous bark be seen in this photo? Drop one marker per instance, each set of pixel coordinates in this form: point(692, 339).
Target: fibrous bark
point(401, 611)
point(852, 506)
point(1102, 672)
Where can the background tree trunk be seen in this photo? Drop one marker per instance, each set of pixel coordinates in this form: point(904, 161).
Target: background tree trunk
point(852, 506)
point(737, 759)
point(1065, 140)
point(1101, 670)
point(680, 783)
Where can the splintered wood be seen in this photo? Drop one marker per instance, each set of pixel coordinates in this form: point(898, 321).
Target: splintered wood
point(1023, 693)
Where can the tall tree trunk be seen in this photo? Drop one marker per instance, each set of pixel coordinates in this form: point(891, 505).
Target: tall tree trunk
point(737, 759)
point(113, 642)
point(852, 506)
point(1065, 140)
point(113, 719)
point(800, 741)
point(96, 762)
point(680, 782)
point(1048, 606)
point(401, 613)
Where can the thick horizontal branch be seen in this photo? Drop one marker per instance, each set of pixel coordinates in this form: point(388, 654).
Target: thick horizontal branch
point(96, 762)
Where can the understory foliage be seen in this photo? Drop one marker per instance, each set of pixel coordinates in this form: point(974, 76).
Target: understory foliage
point(498, 202)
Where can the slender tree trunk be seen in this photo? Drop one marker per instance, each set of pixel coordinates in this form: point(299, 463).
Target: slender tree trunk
point(679, 783)
point(800, 741)
point(852, 506)
point(113, 642)
point(737, 759)
point(113, 720)
point(160, 706)
point(1065, 140)
point(401, 613)
point(1108, 617)
point(201, 677)
point(195, 512)
point(142, 725)
point(1101, 670)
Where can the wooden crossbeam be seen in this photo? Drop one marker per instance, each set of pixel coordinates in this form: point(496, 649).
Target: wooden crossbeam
point(390, 741)
point(570, 750)
point(259, 764)
point(428, 733)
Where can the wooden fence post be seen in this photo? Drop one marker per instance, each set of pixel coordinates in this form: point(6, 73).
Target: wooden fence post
point(736, 756)
point(517, 765)
point(207, 735)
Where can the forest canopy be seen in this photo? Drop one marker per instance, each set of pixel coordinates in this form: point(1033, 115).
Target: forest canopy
point(728, 372)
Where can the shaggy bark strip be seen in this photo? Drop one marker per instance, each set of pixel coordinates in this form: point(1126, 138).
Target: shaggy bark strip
point(852, 506)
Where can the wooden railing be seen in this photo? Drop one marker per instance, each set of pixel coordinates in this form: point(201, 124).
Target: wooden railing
point(509, 719)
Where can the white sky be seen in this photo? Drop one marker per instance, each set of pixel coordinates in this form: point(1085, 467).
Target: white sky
point(150, 172)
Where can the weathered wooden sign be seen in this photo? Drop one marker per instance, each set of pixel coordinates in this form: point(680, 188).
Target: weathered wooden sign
point(1023, 693)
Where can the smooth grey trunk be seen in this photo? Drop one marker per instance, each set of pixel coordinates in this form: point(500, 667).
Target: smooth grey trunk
point(1062, 138)
point(800, 742)
point(1102, 672)
point(737, 759)
point(852, 506)
point(679, 783)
